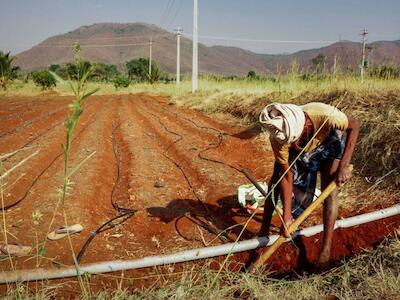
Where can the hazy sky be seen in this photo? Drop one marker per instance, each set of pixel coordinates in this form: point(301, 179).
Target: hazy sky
point(24, 23)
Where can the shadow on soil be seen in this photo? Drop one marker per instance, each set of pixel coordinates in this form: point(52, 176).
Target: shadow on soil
point(219, 217)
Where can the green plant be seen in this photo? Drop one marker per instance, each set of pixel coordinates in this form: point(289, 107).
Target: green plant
point(385, 72)
point(319, 63)
point(155, 74)
point(252, 74)
point(138, 70)
point(8, 72)
point(44, 79)
point(78, 87)
point(121, 81)
point(81, 66)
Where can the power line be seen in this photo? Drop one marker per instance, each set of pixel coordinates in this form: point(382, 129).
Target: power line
point(170, 4)
point(92, 46)
point(264, 40)
point(176, 14)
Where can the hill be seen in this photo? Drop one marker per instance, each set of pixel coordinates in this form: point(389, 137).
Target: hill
point(116, 43)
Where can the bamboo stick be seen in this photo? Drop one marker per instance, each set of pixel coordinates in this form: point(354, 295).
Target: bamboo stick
point(293, 227)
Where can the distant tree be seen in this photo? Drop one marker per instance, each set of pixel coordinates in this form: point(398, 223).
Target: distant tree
point(74, 71)
point(138, 69)
point(252, 74)
point(99, 72)
point(155, 74)
point(54, 68)
point(319, 63)
point(111, 72)
point(44, 79)
point(103, 72)
point(121, 81)
point(8, 72)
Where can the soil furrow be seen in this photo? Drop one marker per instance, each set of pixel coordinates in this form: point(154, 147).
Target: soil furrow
point(19, 126)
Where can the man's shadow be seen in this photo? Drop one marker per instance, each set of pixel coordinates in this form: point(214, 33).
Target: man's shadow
point(214, 218)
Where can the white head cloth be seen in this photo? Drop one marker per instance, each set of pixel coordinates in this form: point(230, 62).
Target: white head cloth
point(285, 122)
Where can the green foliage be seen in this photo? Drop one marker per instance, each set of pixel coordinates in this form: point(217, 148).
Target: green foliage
point(252, 75)
point(8, 72)
point(138, 70)
point(104, 72)
point(99, 71)
point(76, 70)
point(385, 72)
point(155, 74)
point(44, 79)
point(319, 63)
point(54, 68)
point(121, 81)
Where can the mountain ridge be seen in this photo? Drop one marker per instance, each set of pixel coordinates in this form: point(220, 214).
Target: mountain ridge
point(117, 43)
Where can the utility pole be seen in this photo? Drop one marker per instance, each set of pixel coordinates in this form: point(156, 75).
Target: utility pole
point(195, 46)
point(364, 39)
point(151, 46)
point(178, 55)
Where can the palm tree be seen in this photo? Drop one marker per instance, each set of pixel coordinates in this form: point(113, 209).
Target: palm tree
point(8, 72)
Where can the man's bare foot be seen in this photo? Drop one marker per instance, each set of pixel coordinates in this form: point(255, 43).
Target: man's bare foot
point(322, 263)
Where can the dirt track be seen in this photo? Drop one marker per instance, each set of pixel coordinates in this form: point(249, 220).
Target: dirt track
point(175, 168)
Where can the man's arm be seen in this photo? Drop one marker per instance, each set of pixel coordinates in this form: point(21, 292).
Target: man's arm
point(352, 134)
point(286, 192)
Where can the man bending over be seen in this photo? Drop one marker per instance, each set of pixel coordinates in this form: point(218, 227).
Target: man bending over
point(307, 139)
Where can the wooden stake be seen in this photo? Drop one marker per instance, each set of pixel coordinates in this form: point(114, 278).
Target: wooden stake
point(293, 227)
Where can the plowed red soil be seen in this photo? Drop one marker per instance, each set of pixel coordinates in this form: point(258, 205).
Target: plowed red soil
point(176, 169)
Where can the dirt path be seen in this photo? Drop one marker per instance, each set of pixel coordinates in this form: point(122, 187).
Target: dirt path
point(175, 170)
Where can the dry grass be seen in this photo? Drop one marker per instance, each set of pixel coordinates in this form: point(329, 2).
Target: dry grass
point(371, 275)
point(375, 103)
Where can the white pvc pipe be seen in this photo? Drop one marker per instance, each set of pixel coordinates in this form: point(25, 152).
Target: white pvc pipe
point(188, 255)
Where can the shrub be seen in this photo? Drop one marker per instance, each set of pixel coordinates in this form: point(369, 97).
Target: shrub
point(155, 74)
point(8, 72)
point(121, 81)
point(138, 69)
point(44, 79)
point(385, 72)
point(252, 74)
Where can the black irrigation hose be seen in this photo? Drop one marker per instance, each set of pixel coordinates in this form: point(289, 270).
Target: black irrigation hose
point(49, 165)
point(128, 213)
point(223, 236)
point(215, 146)
point(125, 213)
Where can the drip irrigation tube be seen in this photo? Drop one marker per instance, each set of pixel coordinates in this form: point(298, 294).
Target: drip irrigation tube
point(189, 255)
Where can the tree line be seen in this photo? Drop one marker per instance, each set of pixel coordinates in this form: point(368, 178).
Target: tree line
point(134, 71)
point(137, 71)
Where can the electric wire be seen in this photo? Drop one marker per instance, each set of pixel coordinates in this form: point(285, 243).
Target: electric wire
point(175, 15)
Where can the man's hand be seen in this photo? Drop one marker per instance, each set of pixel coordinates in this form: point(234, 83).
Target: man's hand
point(344, 174)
